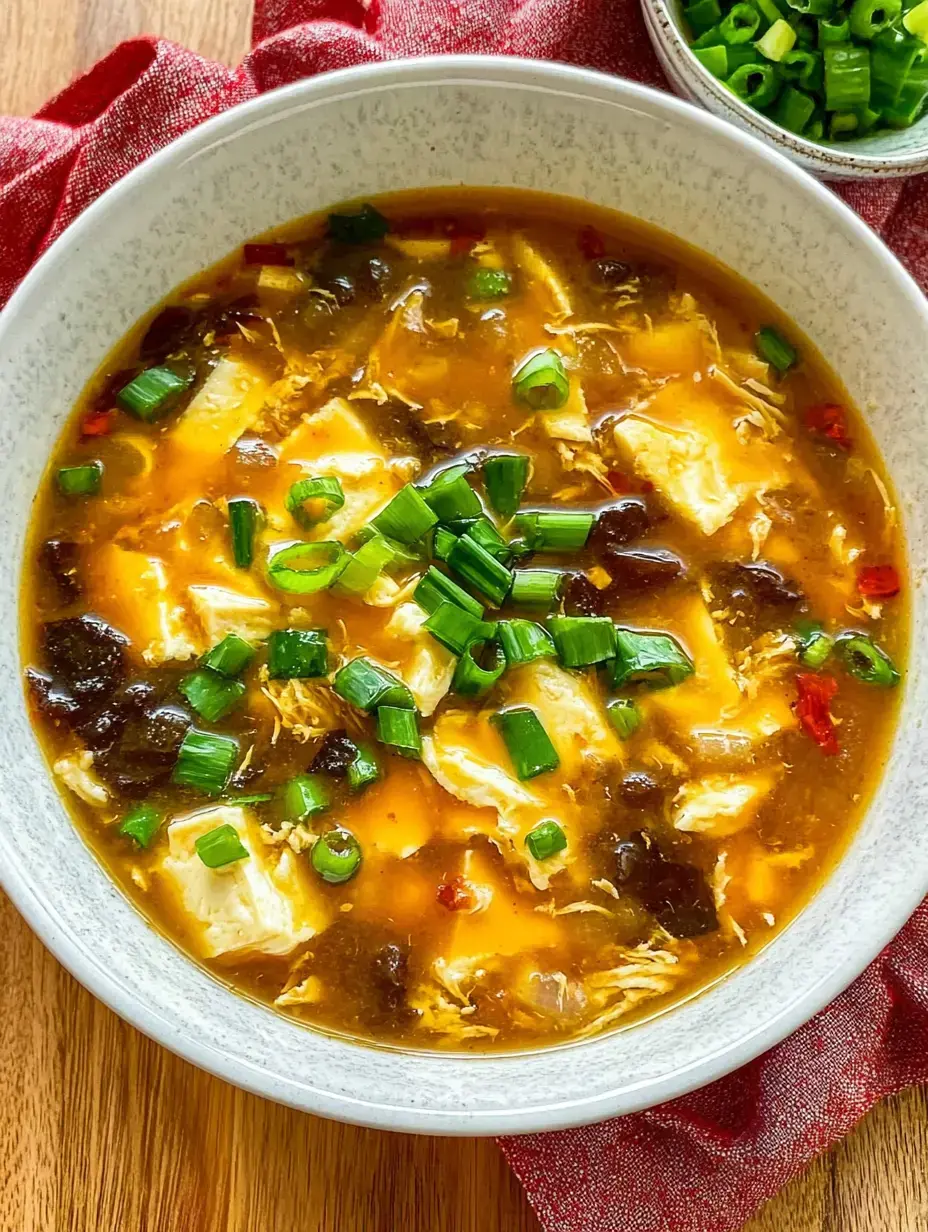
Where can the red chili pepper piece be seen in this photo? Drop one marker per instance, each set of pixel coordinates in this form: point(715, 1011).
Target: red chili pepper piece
point(815, 693)
point(98, 423)
point(591, 243)
point(266, 254)
point(464, 237)
point(455, 894)
point(878, 582)
point(830, 421)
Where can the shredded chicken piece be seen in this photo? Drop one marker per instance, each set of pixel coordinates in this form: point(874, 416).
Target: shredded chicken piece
point(310, 708)
point(606, 886)
point(444, 1017)
point(768, 418)
point(579, 908)
point(585, 460)
point(767, 658)
point(644, 971)
point(759, 528)
point(310, 992)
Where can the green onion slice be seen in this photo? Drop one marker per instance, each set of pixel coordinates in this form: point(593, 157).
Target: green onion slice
point(212, 696)
point(153, 393)
point(483, 532)
point(364, 770)
point(777, 41)
point(757, 84)
point(82, 480)
point(456, 629)
point(311, 501)
point(470, 678)
point(867, 661)
point(834, 29)
point(450, 496)
point(304, 568)
point(407, 517)
point(398, 728)
point(479, 569)
point(545, 840)
point(305, 796)
point(488, 284)
point(205, 761)
point(297, 654)
point(740, 24)
point(624, 716)
point(220, 847)
point(505, 476)
point(336, 856)
point(523, 641)
point(367, 685)
point(436, 588)
point(526, 740)
point(582, 641)
point(230, 658)
point(868, 17)
point(815, 648)
point(244, 515)
point(365, 565)
point(536, 587)
point(540, 382)
point(362, 226)
point(442, 543)
point(847, 76)
point(552, 530)
point(702, 15)
point(141, 824)
point(655, 659)
point(773, 347)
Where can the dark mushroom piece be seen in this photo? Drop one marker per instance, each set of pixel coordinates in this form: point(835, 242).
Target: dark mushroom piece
point(334, 755)
point(619, 524)
point(582, 598)
point(87, 655)
point(640, 569)
point(761, 584)
point(676, 894)
point(390, 975)
point(59, 558)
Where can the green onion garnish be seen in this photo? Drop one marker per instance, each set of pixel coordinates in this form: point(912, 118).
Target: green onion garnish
point(552, 530)
point(256, 797)
point(546, 840)
point(835, 29)
point(141, 824)
point(487, 284)
point(456, 629)
point(740, 24)
point(305, 796)
point(230, 657)
point(757, 84)
point(540, 382)
point(523, 640)
point(505, 476)
point(297, 654)
point(777, 41)
point(536, 587)
point(655, 659)
point(244, 514)
point(582, 641)
point(773, 347)
point(364, 770)
point(916, 21)
point(442, 542)
point(365, 565)
point(868, 17)
point(363, 226)
point(867, 661)
point(398, 728)
point(407, 517)
point(793, 109)
point(470, 678)
point(847, 76)
point(436, 588)
point(212, 696)
point(805, 68)
point(815, 648)
point(220, 847)
point(304, 568)
point(482, 531)
point(714, 60)
point(479, 569)
point(528, 743)
point(336, 856)
point(311, 501)
point(450, 496)
point(892, 55)
point(80, 480)
point(153, 393)
point(624, 716)
point(703, 14)
point(367, 685)
point(205, 761)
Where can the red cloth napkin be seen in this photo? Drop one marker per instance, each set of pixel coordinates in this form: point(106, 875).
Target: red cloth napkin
point(699, 1164)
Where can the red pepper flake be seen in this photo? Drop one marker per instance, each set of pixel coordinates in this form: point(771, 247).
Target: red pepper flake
point(815, 693)
point(464, 238)
point(591, 243)
point(830, 421)
point(456, 895)
point(878, 582)
point(267, 254)
point(98, 423)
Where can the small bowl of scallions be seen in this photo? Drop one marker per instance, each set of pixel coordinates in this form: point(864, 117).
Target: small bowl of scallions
point(839, 86)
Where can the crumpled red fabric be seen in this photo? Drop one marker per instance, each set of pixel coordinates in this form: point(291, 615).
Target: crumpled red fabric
point(706, 1162)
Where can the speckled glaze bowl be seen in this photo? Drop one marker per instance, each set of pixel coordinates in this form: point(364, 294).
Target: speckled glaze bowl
point(475, 121)
point(885, 156)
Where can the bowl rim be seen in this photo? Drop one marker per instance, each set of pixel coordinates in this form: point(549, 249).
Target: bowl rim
point(474, 70)
point(827, 160)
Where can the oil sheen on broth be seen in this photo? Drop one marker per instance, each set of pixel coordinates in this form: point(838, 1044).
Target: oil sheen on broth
point(550, 703)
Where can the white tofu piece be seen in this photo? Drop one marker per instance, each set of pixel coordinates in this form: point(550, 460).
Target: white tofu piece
point(260, 905)
point(539, 270)
point(425, 665)
point(571, 711)
point(222, 611)
point(132, 590)
point(572, 421)
point(721, 804)
point(76, 772)
point(226, 405)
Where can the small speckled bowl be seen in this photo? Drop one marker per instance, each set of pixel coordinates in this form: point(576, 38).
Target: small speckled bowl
point(475, 121)
point(886, 156)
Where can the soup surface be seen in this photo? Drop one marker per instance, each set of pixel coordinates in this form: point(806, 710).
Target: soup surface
point(468, 622)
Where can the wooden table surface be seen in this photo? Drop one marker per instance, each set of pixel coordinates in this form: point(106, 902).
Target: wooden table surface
point(101, 1130)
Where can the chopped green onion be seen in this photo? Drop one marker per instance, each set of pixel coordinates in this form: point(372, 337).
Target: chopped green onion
point(714, 60)
point(243, 522)
point(624, 716)
point(407, 517)
point(257, 797)
point(212, 696)
point(815, 648)
point(867, 661)
point(769, 10)
point(442, 543)
point(582, 641)
point(436, 588)
point(536, 587)
point(777, 41)
point(911, 102)
point(709, 38)
point(487, 284)
point(153, 393)
point(868, 17)
point(364, 770)
point(794, 109)
point(367, 685)
point(505, 476)
point(803, 67)
point(365, 565)
point(336, 856)
point(655, 659)
point(363, 226)
point(757, 84)
point(456, 629)
point(773, 347)
point(205, 761)
point(740, 24)
point(450, 496)
point(812, 8)
point(398, 728)
point(703, 14)
point(482, 531)
point(472, 680)
point(141, 824)
point(916, 21)
point(311, 501)
point(304, 568)
point(220, 847)
point(305, 796)
point(545, 840)
point(297, 654)
point(892, 55)
point(847, 76)
point(523, 640)
point(549, 530)
point(834, 29)
point(540, 382)
point(528, 743)
point(479, 569)
point(80, 480)
point(230, 657)
point(815, 130)
point(739, 56)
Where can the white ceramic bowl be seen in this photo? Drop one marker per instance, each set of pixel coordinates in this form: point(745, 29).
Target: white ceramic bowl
point(476, 121)
point(885, 156)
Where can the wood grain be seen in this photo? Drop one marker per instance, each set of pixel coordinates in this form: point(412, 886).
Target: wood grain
point(103, 1131)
